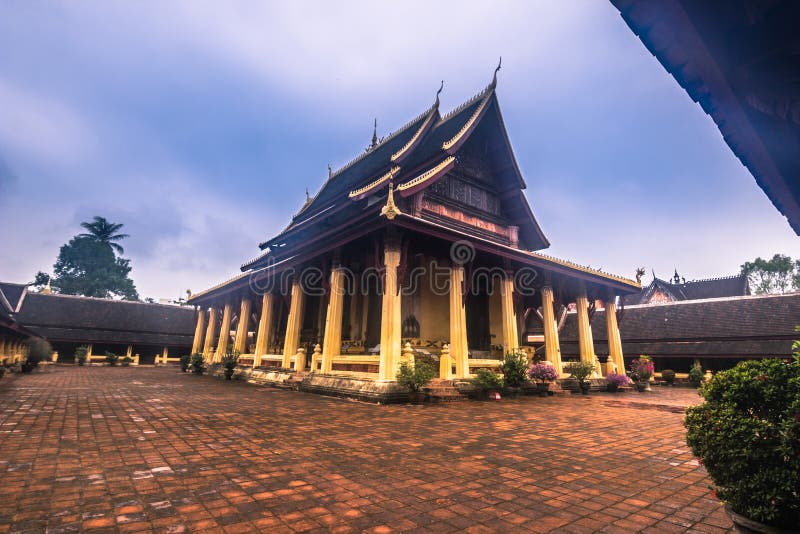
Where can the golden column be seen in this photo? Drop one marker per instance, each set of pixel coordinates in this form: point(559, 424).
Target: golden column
point(458, 323)
point(240, 345)
point(585, 341)
point(552, 347)
point(224, 332)
point(614, 339)
point(510, 336)
point(198, 332)
point(391, 321)
point(211, 331)
point(293, 323)
point(264, 323)
point(332, 340)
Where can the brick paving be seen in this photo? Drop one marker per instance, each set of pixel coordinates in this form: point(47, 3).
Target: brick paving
point(141, 449)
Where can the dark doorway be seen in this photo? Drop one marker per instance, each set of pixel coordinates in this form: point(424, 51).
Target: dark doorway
point(479, 337)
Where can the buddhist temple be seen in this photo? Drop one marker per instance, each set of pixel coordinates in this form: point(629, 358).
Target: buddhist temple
point(422, 247)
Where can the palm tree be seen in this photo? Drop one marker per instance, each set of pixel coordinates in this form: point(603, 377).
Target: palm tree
point(103, 231)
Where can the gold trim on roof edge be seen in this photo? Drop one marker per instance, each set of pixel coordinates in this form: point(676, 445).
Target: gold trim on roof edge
point(578, 267)
point(427, 174)
point(448, 144)
point(414, 138)
point(361, 190)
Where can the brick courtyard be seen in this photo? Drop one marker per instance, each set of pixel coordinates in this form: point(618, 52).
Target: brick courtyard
point(141, 449)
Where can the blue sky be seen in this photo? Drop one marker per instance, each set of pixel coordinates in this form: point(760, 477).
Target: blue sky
point(200, 124)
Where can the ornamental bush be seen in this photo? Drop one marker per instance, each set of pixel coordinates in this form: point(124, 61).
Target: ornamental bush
point(696, 375)
point(542, 372)
point(417, 376)
point(81, 353)
point(515, 368)
point(747, 434)
point(486, 380)
point(580, 371)
point(668, 375)
point(111, 358)
point(186, 361)
point(198, 364)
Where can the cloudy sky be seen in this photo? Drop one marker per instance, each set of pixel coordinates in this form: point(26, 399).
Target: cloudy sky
point(200, 124)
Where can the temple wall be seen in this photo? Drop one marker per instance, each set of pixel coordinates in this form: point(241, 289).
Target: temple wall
point(434, 315)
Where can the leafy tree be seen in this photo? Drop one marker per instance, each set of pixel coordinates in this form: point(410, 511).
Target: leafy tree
point(777, 275)
point(88, 265)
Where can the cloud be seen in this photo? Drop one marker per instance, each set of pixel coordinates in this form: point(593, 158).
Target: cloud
point(40, 127)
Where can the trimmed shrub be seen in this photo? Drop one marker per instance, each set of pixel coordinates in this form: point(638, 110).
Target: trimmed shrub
point(415, 377)
point(747, 435)
point(669, 376)
point(696, 375)
point(198, 364)
point(111, 358)
point(486, 380)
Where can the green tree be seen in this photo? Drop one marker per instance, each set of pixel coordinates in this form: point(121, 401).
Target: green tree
point(777, 275)
point(103, 231)
point(88, 265)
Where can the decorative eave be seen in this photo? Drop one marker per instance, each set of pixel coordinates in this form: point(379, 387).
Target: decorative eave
point(428, 177)
point(452, 145)
point(585, 269)
point(408, 148)
point(361, 192)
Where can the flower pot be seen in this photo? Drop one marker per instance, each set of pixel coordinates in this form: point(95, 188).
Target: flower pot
point(745, 525)
point(584, 387)
point(542, 388)
point(228, 374)
point(613, 388)
point(643, 385)
point(416, 397)
point(511, 392)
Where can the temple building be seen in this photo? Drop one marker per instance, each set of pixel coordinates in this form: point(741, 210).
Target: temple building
point(716, 332)
point(147, 333)
point(661, 291)
point(13, 336)
point(422, 247)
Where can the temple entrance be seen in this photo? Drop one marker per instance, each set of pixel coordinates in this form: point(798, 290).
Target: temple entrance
point(479, 338)
point(372, 336)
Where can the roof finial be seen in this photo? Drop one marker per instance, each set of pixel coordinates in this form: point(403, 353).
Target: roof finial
point(390, 210)
point(308, 198)
point(436, 105)
point(47, 289)
point(330, 171)
point(375, 134)
point(494, 78)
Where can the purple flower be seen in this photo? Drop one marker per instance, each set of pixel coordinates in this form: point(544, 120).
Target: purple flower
point(617, 379)
point(542, 372)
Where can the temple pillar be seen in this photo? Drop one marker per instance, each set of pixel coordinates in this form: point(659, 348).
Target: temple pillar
point(332, 340)
point(293, 324)
point(459, 351)
point(198, 332)
point(240, 344)
point(614, 339)
point(509, 319)
point(89, 353)
point(165, 355)
point(552, 346)
point(211, 331)
point(391, 320)
point(224, 332)
point(585, 342)
point(264, 324)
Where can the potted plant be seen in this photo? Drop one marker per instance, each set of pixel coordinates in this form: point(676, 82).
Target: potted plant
point(642, 370)
point(543, 374)
point(580, 371)
point(2, 370)
point(616, 381)
point(229, 363)
point(186, 362)
point(414, 378)
point(747, 435)
point(515, 372)
point(38, 350)
point(80, 354)
point(111, 358)
point(126, 361)
point(198, 364)
point(486, 381)
point(696, 375)
point(669, 376)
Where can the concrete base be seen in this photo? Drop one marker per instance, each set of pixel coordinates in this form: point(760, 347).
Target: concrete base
point(273, 377)
point(354, 388)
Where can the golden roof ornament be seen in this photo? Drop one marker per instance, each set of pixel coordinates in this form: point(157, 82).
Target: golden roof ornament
point(390, 210)
point(375, 134)
point(47, 289)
